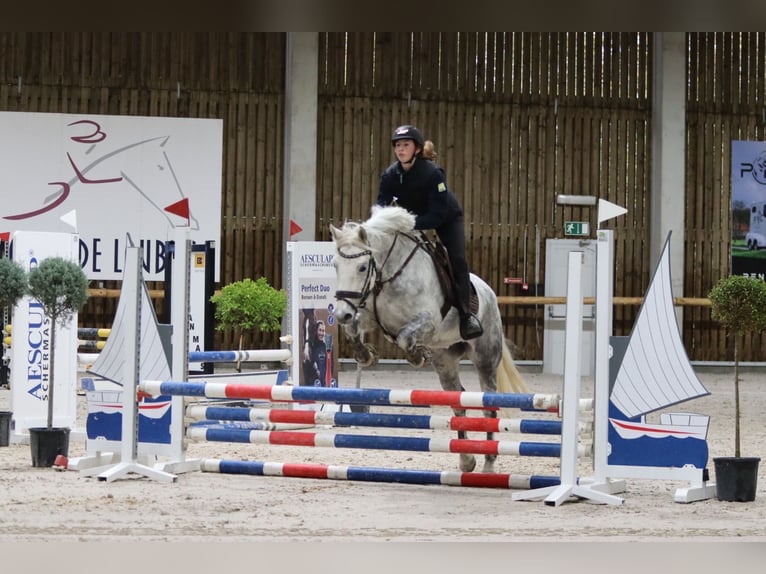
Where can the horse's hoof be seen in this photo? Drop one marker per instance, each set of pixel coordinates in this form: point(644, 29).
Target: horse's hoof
point(467, 462)
point(366, 356)
point(417, 358)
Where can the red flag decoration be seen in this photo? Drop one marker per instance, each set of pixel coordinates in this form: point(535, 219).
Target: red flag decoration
point(179, 208)
point(5, 236)
point(294, 228)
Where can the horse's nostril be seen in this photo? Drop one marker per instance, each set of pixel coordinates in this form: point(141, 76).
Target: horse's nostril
point(344, 317)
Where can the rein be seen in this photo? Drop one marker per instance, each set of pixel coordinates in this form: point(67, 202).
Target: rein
point(373, 282)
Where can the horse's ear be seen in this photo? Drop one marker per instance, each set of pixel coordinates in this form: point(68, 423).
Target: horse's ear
point(334, 231)
point(362, 233)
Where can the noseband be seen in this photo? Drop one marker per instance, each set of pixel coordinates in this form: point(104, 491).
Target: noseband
point(372, 271)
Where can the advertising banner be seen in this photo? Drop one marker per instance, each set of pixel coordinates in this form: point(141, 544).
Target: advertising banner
point(31, 345)
point(748, 208)
point(311, 300)
point(105, 177)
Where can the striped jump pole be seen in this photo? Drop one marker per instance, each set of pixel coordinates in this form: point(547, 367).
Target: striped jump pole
point(248, 425)
point(93, 332)
point(375, 442)
point(91, 344)
point(386, 420)
point(279, 393)
point(253, 355)
point(373, 474)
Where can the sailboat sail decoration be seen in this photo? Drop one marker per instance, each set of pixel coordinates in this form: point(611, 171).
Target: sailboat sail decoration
point(154, 363)
point(105, 403)
point(654, 374)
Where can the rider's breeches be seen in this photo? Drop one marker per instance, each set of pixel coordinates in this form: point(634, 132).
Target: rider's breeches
point(452, 235)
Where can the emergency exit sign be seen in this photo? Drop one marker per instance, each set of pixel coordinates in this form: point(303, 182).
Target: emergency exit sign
point(576, 228)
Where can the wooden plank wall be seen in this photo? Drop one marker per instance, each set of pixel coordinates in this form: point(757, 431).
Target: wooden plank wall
point(517, 118)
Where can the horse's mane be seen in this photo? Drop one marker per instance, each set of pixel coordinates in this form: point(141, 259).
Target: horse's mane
point(389, 220)
point(383, 223)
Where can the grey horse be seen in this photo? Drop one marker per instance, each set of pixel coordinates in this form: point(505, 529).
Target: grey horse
point(387, 281)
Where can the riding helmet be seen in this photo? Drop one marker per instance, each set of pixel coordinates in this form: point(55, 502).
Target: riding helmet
point(408, 132)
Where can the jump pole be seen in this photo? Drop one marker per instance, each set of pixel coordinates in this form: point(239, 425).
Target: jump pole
point(454, 399)
point(378, 442)
point(387, 420)
point(375, 474)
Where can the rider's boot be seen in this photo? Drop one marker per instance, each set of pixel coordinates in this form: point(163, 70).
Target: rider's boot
point(470, 326)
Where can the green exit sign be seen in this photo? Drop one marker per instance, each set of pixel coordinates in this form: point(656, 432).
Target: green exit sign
point(576, 228)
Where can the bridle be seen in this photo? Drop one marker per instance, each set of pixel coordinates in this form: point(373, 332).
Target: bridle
point(373, 281)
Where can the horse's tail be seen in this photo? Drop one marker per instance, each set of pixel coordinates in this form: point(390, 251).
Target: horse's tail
point(508, 377)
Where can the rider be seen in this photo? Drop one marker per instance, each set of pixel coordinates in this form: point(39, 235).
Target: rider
point(419, 185)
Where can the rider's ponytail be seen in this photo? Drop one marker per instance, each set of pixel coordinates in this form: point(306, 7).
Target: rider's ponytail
point(429, 152)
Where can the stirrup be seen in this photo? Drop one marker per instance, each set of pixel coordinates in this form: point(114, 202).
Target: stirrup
point(470, 327)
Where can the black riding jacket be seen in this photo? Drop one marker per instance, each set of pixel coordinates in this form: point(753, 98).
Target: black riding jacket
point(421, 190)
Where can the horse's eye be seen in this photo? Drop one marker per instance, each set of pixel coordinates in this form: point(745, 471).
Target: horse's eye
point(363, 268)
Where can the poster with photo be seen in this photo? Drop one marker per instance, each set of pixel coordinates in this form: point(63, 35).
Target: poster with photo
point(311, 288)
point(748, 208)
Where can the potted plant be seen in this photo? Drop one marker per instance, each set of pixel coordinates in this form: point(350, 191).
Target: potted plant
point(13, 282)
point(61, 288)
point(13, 285)
point(248, 304)
point(739, 304)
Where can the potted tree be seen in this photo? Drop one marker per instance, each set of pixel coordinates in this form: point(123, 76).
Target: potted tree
point(61, 288)
point(739, 304)
point(13, 282)
point(247, 304)
point(13, 285)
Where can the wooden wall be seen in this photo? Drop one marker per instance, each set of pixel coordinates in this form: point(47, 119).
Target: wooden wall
point(517, 118)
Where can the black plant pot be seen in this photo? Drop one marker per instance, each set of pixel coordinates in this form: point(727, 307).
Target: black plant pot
point(46, 444)
point(5, 427)
point(736, 478)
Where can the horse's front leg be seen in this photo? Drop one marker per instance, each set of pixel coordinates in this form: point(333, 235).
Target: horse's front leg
point(364, 354)
point(415, 336)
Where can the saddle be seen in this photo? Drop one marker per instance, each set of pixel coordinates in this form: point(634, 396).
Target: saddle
point(435, 248)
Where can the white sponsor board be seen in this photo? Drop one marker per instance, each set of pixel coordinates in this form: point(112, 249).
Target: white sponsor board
point(311, 300)
point(30, 348)
point(118, 174)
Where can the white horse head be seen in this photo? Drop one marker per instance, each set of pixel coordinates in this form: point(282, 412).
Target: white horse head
point(362, 249)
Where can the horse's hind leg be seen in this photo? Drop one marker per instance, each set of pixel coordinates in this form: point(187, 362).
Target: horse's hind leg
point(447, 366)
point(486, 358)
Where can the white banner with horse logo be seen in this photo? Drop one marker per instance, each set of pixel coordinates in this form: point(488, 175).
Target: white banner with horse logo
point(110, 176)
